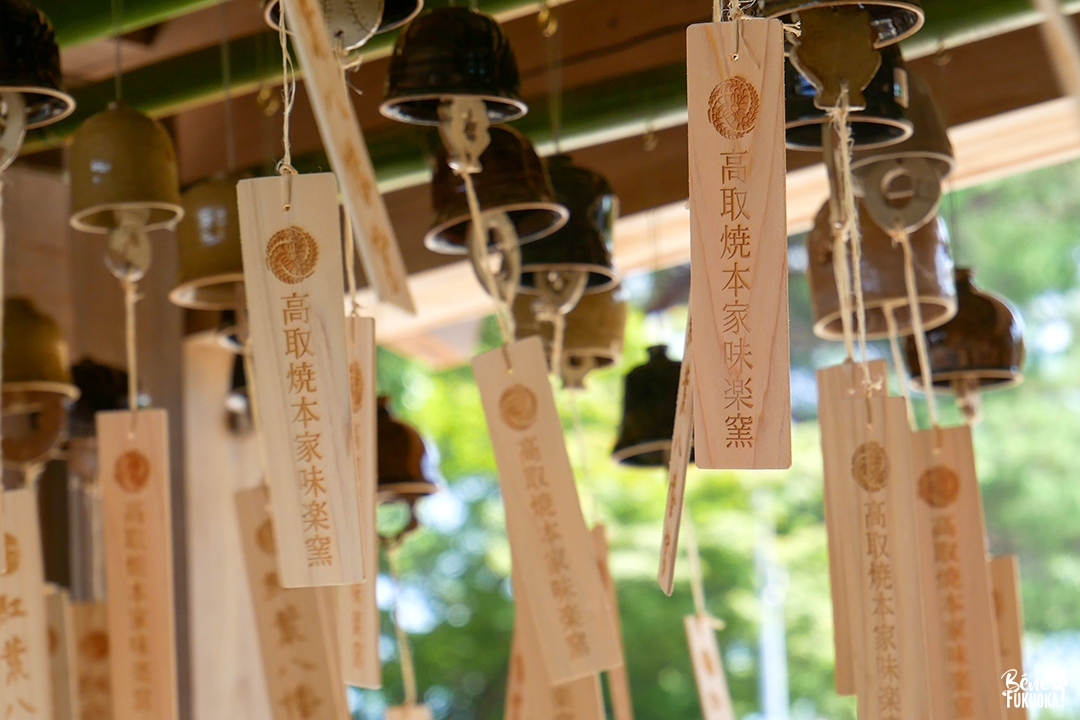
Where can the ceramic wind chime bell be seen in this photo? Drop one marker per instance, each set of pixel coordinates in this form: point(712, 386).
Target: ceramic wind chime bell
point(982, 348)
point(407, 471)
point(449, 53)
point(37, 388)
point(593, 338)
point(31, 86)
point(649, 400)
point(351, 23)
point(208, 243)
point(513, 182)
point(883, 282)
point(101, 388)
point(891, 20)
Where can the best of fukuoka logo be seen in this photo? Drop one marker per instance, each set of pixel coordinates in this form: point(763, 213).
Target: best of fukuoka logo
point(1043, 692)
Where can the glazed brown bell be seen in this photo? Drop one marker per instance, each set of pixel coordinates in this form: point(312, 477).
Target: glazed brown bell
point(101, 388)
point(354, 22)
point(651, 393)
point(584, 243)
point(37, 387)
point(452, 52)
point(981, 348)
point(882, 278)
point(30, 63)
point(513, 181)
point(593, 337)
point(208, 243)
point(122, 161)
point(893, 20)
point(405, 468)
point(884, 121)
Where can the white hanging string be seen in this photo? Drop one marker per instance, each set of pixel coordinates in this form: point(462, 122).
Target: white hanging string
point(408, 670)
point(288, 98)
point(131, 296)
point(478, 239)
point(900, 236)
point(898, 363)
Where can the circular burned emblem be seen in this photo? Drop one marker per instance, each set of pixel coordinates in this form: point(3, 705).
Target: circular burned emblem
point(518, 407)
point(292, 255)
point(734, 106)
point(95, 645)
point(264, 536)
point(870, 466)
point(939, 486)
point(54, 640)
point(132, 471)
point(356, 386)
point(11, 554)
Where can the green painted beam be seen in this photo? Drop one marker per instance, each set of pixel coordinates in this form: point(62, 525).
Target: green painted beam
point(80, 21)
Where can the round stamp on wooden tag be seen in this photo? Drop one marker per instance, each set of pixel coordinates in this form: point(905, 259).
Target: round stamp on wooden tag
point(939, 486)
point(356, 386)
point(518, 407)
point(95, 645)
point(292, 255)
point(11, 554)
point(870, 466)
point(132, 471)
point(264, 536)
point(734, 106)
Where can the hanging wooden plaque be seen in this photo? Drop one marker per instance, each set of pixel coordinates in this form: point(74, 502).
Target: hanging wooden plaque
point(1009, 613)
point(344, 142)
point(682, 442)
point(841, 382)
point(133, 457)
point(26, 693)
point(738, 244)
point(618, 680)
point(543, 514)
point(294, 624)
point(91, 631)
point(358, 610)
point(62, 653)
point(961, 637)
point(870, 440)
point(292, 276)
point(708, 669)
point(408, 712)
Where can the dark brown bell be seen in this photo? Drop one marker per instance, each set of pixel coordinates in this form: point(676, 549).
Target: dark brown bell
point(101, 388)
point(513, 181)
point(893, 20)
point(651, 393)
point(883, 122)
point(406, 471)
point(982, 347)
point(452, 52)
point(883, 280)
point(584, 243)
point(30, 63)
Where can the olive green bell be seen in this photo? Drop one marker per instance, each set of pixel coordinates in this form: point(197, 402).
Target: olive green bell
point(35, 352)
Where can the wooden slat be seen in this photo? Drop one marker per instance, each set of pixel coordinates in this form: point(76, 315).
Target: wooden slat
point(682, 443)
point(91, 631)
point(1009, 613)
point(62, 654)
point(348, 153)
point(301, 375)
point(133, 458)
point(708, 668)
point(622, 707)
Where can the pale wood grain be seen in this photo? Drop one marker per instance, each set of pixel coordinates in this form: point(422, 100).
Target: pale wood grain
point(682, 442)
point(709, 675)
point(314, 209)
point(62, 654)
point(541, 501)
point(762, 264)
point(1009, 614)
point(622, 706)
point(137, 520)
point(344, 142)
point(91, 631)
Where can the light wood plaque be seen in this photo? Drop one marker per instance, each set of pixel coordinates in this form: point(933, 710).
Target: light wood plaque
point(738, 244)
point(344, 142)
point(1009, 613)
point(293, 279)
point(62, 654)
point(682, 443)
point(622, 706)
point(708, 669)
point(91, 630)
point(543, 514)
point(133, 462)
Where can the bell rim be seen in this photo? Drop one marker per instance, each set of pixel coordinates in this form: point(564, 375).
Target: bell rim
point(390, 108)
point(69, 102)
point(611, 279)
point(823, 327)
point(623, 454)
point(434, 243)
point(276, 26)
point(940, 160)
point(183, 293)
point(410, 487)
point(915, 10)
point(902, 124)
point(69, 391)
point(998, 378)
point(78, 218)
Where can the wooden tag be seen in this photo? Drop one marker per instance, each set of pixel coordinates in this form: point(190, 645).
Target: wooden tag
point(133, 457)
point(961, 640)
point(408, 712)
point(682, 441)
point(870, 440)
point(348, 153)
point(1009, 613)
point(62, 653)
point(618, 681)
point(295, 632)
point(91, 633)
point(738, 244)
point(835, 383)
point(358, 610)
point(543, 515)
point(292, 274)
point(708, 668)
point(24, 641)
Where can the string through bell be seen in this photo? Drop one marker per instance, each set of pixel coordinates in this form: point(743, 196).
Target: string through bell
point(901, 237)
point(898, 363)
point(288, 98)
